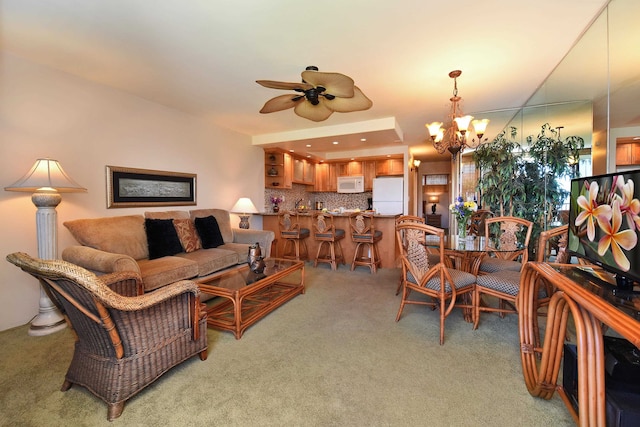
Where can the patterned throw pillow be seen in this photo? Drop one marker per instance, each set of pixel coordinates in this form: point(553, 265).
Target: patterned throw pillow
point(187, 234)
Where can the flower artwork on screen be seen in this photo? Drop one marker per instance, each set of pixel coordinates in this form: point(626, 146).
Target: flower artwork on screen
point(604, 221)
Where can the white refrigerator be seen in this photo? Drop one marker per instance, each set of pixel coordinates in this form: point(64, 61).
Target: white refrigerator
point(388, 195)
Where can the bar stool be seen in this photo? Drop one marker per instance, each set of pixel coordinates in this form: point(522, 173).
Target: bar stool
point(293, 236)
point(366, 238)
point(329, 237)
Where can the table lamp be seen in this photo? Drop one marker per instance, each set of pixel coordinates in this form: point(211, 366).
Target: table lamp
point(46, 180)
point(244, 207)
point(434, 200)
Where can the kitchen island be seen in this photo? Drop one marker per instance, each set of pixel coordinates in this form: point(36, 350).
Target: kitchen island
point(389, 252)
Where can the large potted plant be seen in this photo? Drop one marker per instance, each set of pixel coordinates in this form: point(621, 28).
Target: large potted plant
point(524, 182)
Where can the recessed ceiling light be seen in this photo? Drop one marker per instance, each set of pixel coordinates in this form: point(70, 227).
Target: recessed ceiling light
point(335, 143)
point(388, 155)
point(353, 158)
point(308, 156)
point(308, 145)
point(291, 151)
point(363, 139)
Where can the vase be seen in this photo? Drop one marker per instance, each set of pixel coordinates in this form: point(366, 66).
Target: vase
point(276, 208)
point(462, 229)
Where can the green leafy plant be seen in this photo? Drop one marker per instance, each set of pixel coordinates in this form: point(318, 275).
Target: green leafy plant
point(524, 182)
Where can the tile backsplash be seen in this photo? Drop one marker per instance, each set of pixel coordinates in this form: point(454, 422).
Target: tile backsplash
point(330, 200)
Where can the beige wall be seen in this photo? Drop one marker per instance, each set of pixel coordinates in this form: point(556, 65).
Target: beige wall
point(86, 126)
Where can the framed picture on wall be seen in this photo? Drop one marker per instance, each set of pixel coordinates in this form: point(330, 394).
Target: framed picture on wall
point(129, 187)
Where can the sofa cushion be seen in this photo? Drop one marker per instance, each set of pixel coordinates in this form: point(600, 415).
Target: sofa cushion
point(211, 260)
point(187, 234)
point(167, 215)
point(163, 271)
point(223, 218)
point(119, 234)
point(209, 232)
point(242, 249)
point(162, 238)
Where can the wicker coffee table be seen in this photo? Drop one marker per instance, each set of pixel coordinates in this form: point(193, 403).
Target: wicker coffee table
point(246, 297)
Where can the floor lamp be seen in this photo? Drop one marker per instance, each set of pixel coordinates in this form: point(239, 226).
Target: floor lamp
point(46, 180)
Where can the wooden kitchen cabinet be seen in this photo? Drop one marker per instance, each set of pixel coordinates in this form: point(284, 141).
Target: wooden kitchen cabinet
point(303, 171)
point(389, 167)
point(278, 170)
point(352, 168)
point(628, 154)
point(369, 174)
point(325, 177)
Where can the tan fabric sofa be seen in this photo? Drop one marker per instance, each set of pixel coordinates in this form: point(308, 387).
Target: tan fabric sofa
point(120, 244)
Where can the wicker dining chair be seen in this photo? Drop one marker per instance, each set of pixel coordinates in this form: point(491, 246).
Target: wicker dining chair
point(507, 240)
point(476, 222)
point(403, 219)
point(446, 287)
point(504, 285)
point(123, 342)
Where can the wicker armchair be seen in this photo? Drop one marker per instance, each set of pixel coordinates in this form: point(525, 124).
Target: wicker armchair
point(123, 343)
point(446, 287)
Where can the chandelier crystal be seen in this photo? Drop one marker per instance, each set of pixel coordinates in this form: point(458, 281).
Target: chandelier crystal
point(453, 137)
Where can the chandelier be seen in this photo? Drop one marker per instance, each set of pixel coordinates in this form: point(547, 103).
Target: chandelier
point(454, 137)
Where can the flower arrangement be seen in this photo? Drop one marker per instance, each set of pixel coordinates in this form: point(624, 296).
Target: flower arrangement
point(276, 200)
point(462, 211)
point(606, 208)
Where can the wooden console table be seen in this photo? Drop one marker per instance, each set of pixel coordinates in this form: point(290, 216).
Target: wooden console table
point(591, 305)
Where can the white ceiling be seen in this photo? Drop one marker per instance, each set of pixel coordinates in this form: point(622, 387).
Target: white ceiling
point(204, 56)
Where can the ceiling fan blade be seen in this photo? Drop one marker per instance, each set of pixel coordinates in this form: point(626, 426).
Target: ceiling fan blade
point(284, 85)
point(335, 83)
point(358, 102)
point(317, 113)
point(282, 102)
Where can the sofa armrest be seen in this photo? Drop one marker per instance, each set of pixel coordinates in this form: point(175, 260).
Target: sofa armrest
point(100, 262)
point(263, 237)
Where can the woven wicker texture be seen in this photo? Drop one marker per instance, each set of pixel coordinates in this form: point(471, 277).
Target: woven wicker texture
point(124, 343)
point(446, 287)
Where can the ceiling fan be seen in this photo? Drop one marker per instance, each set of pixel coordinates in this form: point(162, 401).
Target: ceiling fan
point(320, 94)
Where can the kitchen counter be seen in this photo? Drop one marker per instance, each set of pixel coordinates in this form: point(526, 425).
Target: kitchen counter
point(389, 253)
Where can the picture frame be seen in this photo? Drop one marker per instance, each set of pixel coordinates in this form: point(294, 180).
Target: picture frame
point(130, 187)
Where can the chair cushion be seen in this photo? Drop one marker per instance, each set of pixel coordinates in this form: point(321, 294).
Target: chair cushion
point(461, 279)
point(493, 265)
point(506, 281)
point(304, 232)
point(162, 238)
point(377, 234)
point(339, 233)
point(209, 232)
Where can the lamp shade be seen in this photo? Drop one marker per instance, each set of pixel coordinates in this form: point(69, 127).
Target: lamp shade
point(434, 199)
point(46, 173)
point(244, 205)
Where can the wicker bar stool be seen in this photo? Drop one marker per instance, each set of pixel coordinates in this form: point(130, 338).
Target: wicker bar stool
point(366, 238)
point(329, 237)
point(293, 236)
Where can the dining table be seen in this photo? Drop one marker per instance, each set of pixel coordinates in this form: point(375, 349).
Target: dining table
point(467, 253)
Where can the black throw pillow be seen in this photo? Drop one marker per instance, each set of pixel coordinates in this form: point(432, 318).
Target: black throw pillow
point(209, 232)
point(162, 238)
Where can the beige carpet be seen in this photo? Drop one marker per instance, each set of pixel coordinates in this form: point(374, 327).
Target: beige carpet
point(332, 357)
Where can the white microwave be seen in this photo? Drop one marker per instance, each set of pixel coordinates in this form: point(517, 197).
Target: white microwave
point(351, 184)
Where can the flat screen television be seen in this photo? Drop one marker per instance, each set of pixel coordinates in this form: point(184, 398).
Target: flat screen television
point(604, 224)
